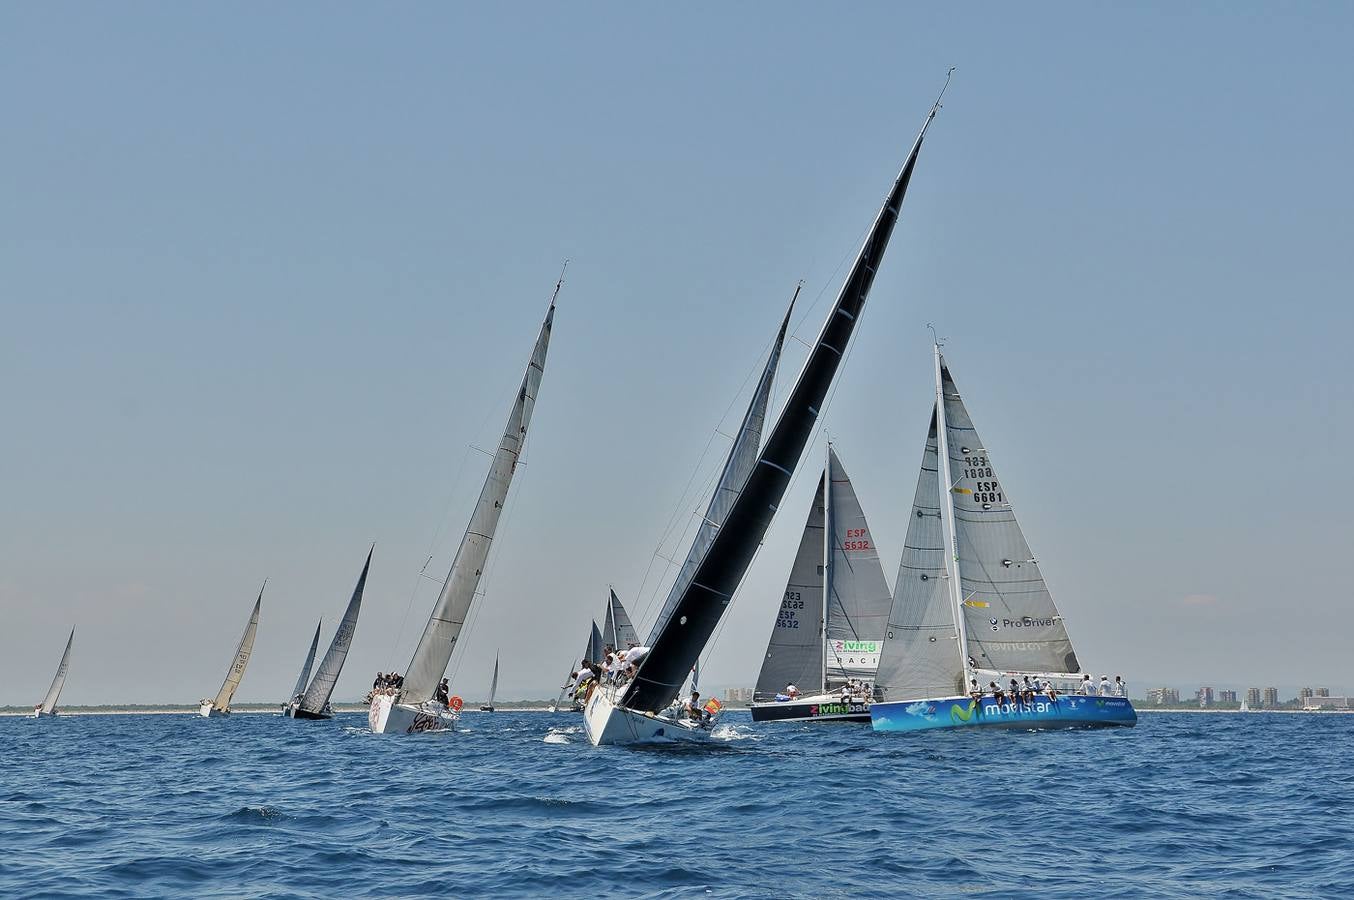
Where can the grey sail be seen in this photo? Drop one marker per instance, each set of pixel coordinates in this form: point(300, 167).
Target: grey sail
point(921, 657)
point(493, 684)
point(458, 592)
point(242, 652)
point(1009, 615)
point(794, 655)
point(858, 597)
point(595, 645)
point(310, 661)
point(620, 632)
point(54, 692)
point(331, 666)
point(737, 466)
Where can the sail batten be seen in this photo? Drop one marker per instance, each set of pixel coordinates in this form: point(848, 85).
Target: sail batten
point(686, 627)
point(59, 680)
point(448, 617)
point(321, 688)
point(242, 653)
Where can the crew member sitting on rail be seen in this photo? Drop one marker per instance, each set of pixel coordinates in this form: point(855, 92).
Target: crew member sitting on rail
point(442, 693)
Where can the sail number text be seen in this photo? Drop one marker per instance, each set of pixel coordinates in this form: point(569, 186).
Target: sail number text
point(856, 539)
point(786, 617)
point(983, 491)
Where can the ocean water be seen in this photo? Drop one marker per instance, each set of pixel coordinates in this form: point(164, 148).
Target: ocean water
point(518, 804)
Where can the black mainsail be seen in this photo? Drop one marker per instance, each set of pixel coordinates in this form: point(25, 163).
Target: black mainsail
point(686, 629)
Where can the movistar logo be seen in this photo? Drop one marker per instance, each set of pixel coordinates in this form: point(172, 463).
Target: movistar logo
point(962, 713)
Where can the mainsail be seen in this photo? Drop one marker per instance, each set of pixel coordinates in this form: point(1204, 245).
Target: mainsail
point(54, 692)
point(619, 632)
point(310, 661)
point(742, 457)
point(453, 604)
point(1009, 615)
point(595, 645)
point(326, 677)
point(493, 684)
point(920, 656)
point(858, 597)
point(686, 626)
point(241, 660)
point(794, 655)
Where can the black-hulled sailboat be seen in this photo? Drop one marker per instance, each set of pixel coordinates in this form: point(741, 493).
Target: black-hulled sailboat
point(414, 707)
point(493, 688)
point(974, 638)
point(750, 488)
point(48, 705)
point(824, 646)
point(311, 698)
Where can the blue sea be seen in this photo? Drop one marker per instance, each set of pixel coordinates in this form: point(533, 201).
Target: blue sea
point(517, 804)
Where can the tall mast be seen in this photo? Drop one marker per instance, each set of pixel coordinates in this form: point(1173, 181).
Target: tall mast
point(827, 559)
point(947, 520)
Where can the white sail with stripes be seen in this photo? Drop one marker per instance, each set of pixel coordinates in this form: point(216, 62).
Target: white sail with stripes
point(54, 692)
point(241, 660)
point(857, 596)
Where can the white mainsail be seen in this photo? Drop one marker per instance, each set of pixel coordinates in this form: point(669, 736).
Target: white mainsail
point(310, 661)
point(493, 683)
point(54, 692)
point(327, 675)
point(242, 652)
point(458, 592)
point(857, 596)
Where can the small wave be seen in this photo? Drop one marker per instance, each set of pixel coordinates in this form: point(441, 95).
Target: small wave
point(728, 732)
point(256, 815)
point(556, 737)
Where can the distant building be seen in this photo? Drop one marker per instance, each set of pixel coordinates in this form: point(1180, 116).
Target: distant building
point(1303, 694)
point(1253, 698)
point(1326, 701)
point(1205, 696)
point(1226, 696)
point(1271, 696)
point(738, 695)
point(1163, 696)
point(1323, 692)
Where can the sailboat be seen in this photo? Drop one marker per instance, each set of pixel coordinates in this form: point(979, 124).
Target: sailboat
point(828, 631)
point(311, 701)
point(971, 608)
point(413, 708)
point(220, 705)
point(304, 678)
point(592, 653)
point(493, 688)
point(48, 705)
point(745, 499)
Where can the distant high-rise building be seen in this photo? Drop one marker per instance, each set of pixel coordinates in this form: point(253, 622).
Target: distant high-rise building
point(1304, 693)
point(1323, 692)
point(1205, 696)
point(1271, 696)
point(1163, 696)
point(738, 695)
point(1226, 696)
point(1253, 698)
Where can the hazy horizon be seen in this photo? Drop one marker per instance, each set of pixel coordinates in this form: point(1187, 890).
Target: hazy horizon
point(268, 279)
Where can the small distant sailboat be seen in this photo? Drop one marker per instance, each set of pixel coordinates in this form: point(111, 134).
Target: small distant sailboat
point(414, 708)
point(304, 678)
point(220, 705)
point(48, 705)
point(970, 605)
point(312, 701)
point(493, 688)
point(830, 626)
point(1245, 705)
point(751, 487)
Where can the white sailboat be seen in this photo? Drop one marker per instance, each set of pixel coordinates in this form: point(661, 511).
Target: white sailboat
point(493, 688)
point(220, 704)
point(413, 708)
point(311, 701)
point(974, 635)
point(48, 705)
point(830, 626)
point(750, 489)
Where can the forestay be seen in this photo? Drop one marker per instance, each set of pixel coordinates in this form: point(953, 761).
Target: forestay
point(921, 653)
point(331, 666)
point(691, 616)
point(242, 652)
point(794, 655)
point(448, 617)
point(1011, 621)
point(858, 597)
point(54, 692)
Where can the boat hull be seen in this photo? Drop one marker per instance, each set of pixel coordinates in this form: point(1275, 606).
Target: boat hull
point(607, 723)
point(1065, 711)
point(827, 708)
point(385, 716)
point(209, 711)
point(39, 714)
point(295, 712)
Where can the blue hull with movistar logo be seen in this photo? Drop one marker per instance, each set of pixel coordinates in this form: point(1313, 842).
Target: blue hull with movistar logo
point(1064, 711)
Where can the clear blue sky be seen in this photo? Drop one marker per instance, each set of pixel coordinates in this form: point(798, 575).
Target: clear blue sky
point(265, 273)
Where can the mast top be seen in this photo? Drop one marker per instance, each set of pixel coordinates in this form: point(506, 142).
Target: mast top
point(936, 106)
point(559, 282)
